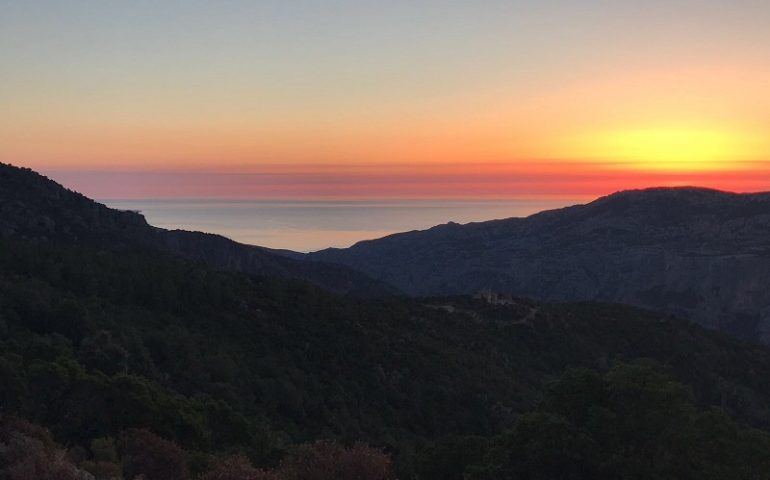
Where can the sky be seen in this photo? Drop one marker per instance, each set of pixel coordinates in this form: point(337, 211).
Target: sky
point(390, 100)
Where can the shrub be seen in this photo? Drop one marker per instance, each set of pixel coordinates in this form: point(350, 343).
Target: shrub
point(325, 460)
point(27, 452)
point(238, 467)
point(146, 454)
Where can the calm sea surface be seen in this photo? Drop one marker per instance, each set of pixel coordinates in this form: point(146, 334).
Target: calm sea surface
point(307, 226)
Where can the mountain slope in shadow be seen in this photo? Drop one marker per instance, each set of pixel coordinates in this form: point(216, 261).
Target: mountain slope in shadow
point(35, 207)
point(697, 253)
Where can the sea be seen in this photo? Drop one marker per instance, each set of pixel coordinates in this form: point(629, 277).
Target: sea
point(305, 226)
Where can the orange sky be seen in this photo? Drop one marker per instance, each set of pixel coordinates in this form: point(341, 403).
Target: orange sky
point(414, 99)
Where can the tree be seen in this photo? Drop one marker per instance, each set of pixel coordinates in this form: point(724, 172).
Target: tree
point(634, 422)
point(238, 467)
point(105, 463)
point(146, 454)
point(326, 460)
point(101, 352)
point(448, 458)
point(27, 452)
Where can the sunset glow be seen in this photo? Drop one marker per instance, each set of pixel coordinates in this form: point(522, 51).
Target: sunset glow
point(416, 99)
point(670, 150)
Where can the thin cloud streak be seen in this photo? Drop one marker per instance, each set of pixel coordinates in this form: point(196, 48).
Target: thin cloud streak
point(386, 182)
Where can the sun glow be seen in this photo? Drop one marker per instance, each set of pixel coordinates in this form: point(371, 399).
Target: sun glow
point(667, 149)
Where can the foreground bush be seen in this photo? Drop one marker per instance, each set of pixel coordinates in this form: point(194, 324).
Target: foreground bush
point(328, 461)
point(27, 452)
point(238, 467)
point(147, 456)
point(323, 460)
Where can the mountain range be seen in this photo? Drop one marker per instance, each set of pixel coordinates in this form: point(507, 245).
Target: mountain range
point(113, 330)
point(33, 206)
point(696, 253)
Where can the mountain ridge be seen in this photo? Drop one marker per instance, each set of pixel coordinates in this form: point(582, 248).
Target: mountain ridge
point(34, 206)
point(694, 252)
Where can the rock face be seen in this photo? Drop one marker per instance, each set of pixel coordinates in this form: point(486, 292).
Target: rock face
point(34, 207)
point(696, 253)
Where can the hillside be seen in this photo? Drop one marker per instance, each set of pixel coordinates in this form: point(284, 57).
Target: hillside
point(33, 206)
point(98, 341)
point(696, 253)
point(102, 334)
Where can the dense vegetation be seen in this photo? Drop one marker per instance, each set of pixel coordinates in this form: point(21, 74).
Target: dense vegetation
point(27, 452)
point(97, 344)
point(634, 422)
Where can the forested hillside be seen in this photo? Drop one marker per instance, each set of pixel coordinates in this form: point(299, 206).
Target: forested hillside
point(35, 207)
point(692, 252)
point(98, 342)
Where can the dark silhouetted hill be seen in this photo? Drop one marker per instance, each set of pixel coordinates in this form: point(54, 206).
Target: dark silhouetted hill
point(35, 207)
point(697, 253)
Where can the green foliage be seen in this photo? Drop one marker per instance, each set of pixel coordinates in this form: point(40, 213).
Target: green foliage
point(324, 460)
point(98, 341)
point(145, 455)
point(103, 449)
point(237, 467)
point(449, 457)
point(634, 422)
